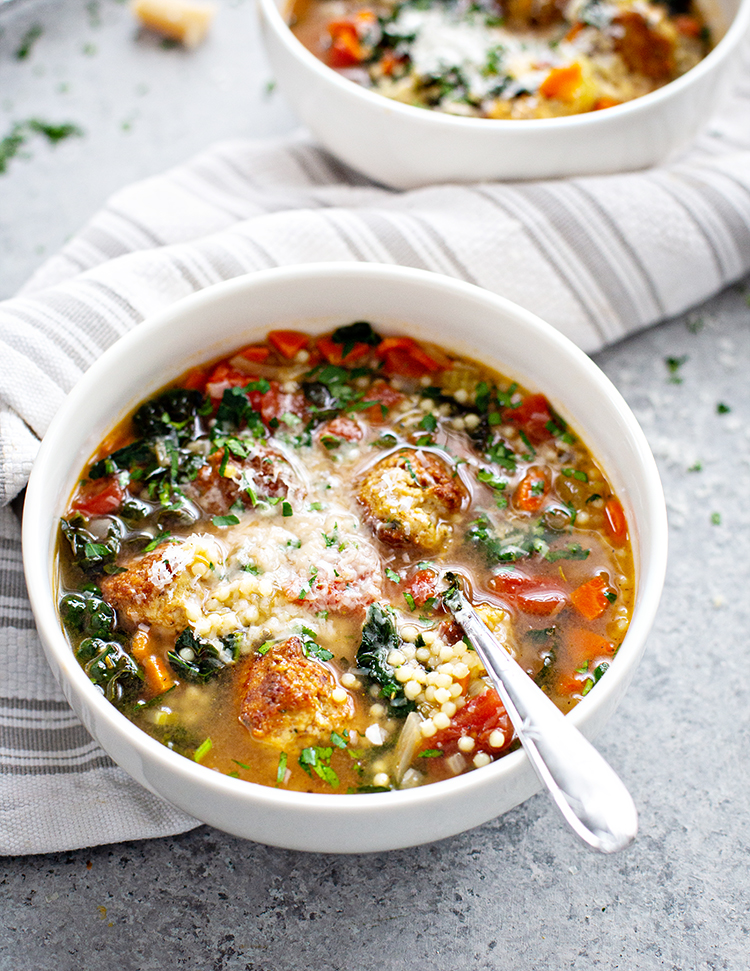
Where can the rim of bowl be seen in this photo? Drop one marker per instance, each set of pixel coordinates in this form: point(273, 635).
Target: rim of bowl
point(38, 543)
point(731, 38)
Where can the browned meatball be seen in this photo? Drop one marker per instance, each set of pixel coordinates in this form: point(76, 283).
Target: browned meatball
point(263, 474)
point(645, 49)
point(153, 587)
point(286, 696)
point(410, 496)
point(522, 14)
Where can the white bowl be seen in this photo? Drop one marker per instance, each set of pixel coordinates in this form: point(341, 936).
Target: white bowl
point(318, 297)
point(404, 147)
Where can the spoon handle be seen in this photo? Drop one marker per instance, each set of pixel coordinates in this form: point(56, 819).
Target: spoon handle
point(587, 791)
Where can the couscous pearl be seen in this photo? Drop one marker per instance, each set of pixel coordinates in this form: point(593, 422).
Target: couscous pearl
point(426, 404)
point(302, 357)
point(466, 744)
point(481, 759)
point(440, 720)
point(458, 423)
point(427, 728)
point(442, 695)
point(396, 659)
point(412, 689)
point(455, 690)
point(409, 652)
point(339, 695)
point(404, 673)
point(461, 395)
point(425, 381)
point(409, 633)
point(423, 654)
point(471, 421)
point(429, 693)
point(446, 652)
point(381, 779)
point(496, 739)
point(348, 680)
point(448, 708)
point(428, 636)
point(443, 680)
point(460, 670)
point(377, 711)
point(582, 518)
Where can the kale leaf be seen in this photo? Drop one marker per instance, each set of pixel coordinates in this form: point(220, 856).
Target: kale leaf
point(87, 614)
point(92, 555)
point(379, 638)
point(109, 666)
point(207, 661)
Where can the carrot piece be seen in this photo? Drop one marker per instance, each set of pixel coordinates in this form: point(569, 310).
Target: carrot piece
point(615, 523)
point(532, 489)
point(288, 342)
point(256, 353)
point(605, 102)
point(158, 678)
point(562, 82)
point(575, 30)
point(585, 645)
point(590, 598)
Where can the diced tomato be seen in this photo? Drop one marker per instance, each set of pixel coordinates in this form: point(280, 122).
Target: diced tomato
point(99, 497)
point(480, 717)
point(225, 376)
point(274, 403)
point(386, 396)
point(334, 353)
point(532, 489)
point(421, 586)
point(575, 30)
point(590, 598)
point(256, 353)
point(340, 428)
point(615, 523)
point(288, 342)
point(531, 595)
point(562, 82)
point(196, 381)
point(533, 416)
point(405, 357)
point(345, 49)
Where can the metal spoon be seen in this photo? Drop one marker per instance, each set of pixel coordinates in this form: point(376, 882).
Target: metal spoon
point(591, 797)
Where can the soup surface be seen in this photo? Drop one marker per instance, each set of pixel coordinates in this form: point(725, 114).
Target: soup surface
point(508, 59)
point(251, 565)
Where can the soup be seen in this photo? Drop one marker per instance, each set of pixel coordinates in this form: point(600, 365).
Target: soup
point(516, 59)
point(251, 565)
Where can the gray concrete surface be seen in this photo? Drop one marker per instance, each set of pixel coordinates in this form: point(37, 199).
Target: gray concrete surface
point(518, 894)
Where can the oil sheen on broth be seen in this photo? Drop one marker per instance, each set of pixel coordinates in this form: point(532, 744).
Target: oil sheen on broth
point(251, 564)
point(503, 59)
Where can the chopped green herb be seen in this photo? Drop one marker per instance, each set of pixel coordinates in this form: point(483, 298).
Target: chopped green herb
point(203, 749)
point(410, 601)
point(28, 40)
point(722, 409)
point(576, 474)
point(431, 753)
point(428, 423)
point(673, 366)
point(281, 769)
point(716, 518)
point(392, 575)
point(230, 520)
point(696, 467)
point(286, 509)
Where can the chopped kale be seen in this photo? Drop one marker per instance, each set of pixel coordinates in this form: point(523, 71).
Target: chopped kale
point(87, 615)
point(206, 661)
point(515, 545)
point(379, 638)
point(358, 333)
point(573, 551)
point(109, 666)
point(91, 554)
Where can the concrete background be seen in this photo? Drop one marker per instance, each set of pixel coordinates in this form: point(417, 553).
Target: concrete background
point(518, 894)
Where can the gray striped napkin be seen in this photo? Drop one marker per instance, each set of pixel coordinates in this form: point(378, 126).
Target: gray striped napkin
point(598, 257)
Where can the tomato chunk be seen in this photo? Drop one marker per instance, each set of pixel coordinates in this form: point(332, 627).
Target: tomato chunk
point(529, 594)
point(256, 353)
point(421, 586)
point(345, 49)
point(479, 718)
point(288, 342)
point(99, 497)
point(334, 353)
point(533, 416)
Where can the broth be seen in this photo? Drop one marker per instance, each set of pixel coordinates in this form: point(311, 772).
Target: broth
point(251, 564)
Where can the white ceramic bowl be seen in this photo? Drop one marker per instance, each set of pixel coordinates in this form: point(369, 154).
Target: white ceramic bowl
point(465, 318)
point(404, 147)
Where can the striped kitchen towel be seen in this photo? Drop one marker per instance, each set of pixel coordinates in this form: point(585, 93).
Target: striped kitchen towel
point(598, 257)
